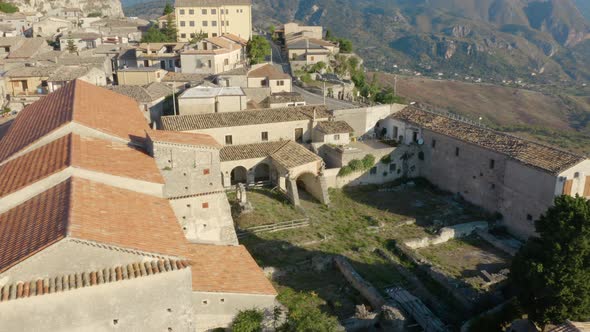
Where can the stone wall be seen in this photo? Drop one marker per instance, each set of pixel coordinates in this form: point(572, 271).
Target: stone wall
point(448, 233)
point(364, 119)
point(160, 302)
point(211, 105)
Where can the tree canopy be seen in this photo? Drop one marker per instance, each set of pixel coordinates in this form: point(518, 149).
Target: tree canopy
point(168, 9)
point(8, 8)
point(305, 314)
point(170, 28)
point(154, 35)
point(248, 321)
point(551, 273)
point(71, 46)
point(258, 48)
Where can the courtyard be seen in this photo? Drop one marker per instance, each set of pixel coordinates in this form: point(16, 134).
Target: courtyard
point(359, 223)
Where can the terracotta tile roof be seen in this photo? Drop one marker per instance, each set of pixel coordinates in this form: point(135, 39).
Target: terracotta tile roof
point(123, 218)
point(249, 151)
point(64, 283)
point(268, 71)
point(33, 225)
point(35, 165)
point(183, 138)
point(244, 118)
point(293, 155)
point(81, 152)
point(533, 154)
point(284, 97)
point(224, 43)
point(227, 269)
point(91, 211)
point(79, 102)
point(334, 127)
point(29, 48)
point(183, 77)
point(286, 153)
point(235, 38)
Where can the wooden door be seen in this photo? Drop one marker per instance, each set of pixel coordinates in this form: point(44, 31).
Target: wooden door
point(567, 187)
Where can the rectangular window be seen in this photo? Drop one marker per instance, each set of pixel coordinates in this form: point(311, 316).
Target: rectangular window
point(205, 205)
point(213, 23)
point(392, 167)
point(456, 152)
point(433, 143)
point(492, 163)
point(206, 171)
point(213, 11)
point(214, 34)
point(336, 137)
point(205, 23)
point(299, 135)
point(182, 23)
point(191, 23)
point(415, 136)
point(529, 217)
point(204, 11)
point(192, 35)
point(228, 140)
point(373, 171)
point(191, 12)
point(183, 35)
point(280, 83)
point(226, 23)
point(226, 62)
point(395, 132)
point(265, 136)
point(181, 12)
point(222, 23)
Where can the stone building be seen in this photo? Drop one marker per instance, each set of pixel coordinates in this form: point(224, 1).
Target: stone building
point(213, 55)
point(150, 97)
point(89, 238)
point(213, 18)
point(252, 126)
point(163, 55)
point(502, 173)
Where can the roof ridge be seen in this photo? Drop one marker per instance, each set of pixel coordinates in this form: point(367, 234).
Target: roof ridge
point(66, 282)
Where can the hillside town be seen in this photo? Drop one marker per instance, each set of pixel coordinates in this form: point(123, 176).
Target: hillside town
point(190, 173)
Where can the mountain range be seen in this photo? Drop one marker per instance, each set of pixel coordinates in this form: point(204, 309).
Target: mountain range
point(548, 40)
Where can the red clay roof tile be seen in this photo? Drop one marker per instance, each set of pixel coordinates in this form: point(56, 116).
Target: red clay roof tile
point(79, 102)
point(183, 138)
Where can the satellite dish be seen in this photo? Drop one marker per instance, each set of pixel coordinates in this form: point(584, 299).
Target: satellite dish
point(420, 141)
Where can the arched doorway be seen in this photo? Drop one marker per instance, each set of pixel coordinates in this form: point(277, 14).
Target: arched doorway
point(239, 175)
point(306, 185)
point(262, 173)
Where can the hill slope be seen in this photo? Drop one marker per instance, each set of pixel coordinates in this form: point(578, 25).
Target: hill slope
point(562, 120)
point(111, 8)
point(502, 39)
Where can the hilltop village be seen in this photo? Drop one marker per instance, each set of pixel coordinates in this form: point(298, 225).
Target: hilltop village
point(172, 186)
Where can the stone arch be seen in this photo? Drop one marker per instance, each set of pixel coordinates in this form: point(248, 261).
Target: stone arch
point(262, 173)
point(239, 175)
point(313, 185)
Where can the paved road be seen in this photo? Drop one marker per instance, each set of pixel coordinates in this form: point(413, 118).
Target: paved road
point(310, 98)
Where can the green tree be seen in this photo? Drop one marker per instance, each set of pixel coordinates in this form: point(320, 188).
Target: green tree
point(248, 321)
point(328, 34)
point(345, 45)
point(71, 46)
point(153, 35)
point(8, 8)
point(386, 96)
point(95, 14)
point(272, 29)
point(199, 36)
point(551, 273)
point(170, 29)
point(168, 9)
point(258, 48)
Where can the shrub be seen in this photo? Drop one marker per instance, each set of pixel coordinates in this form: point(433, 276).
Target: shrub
point(306, 78)
point(305, 314)
point(248, 321)
point(8, 8)
point(356, 165)
point(344, 171)
point(369, 161)
point(95, 14)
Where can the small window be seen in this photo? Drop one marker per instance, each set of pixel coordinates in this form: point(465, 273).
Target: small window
point(421, 155)
point(191, 23)
point(182, 23)
point(213, 11)
point(204, 11)
point(213, 23)
point(415, 136)
point(227, 23)
point(205, 302)
point(228, 140)
point(433, 143)
point(183, 35)
point(457, 152)
point(222, 23)
point(392, 167)
point(336, 137)
point(182, 12)
point(492, 163)
point(206, 171)
point(280, 83)
point(191, 12)
point(214, 35)
point(205, 205)
point(373, 171)
point(529, 217)
point(265, 136)
point(205, 23)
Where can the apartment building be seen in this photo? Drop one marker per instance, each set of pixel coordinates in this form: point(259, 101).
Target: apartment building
point(213, 55)
point(214, 18)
